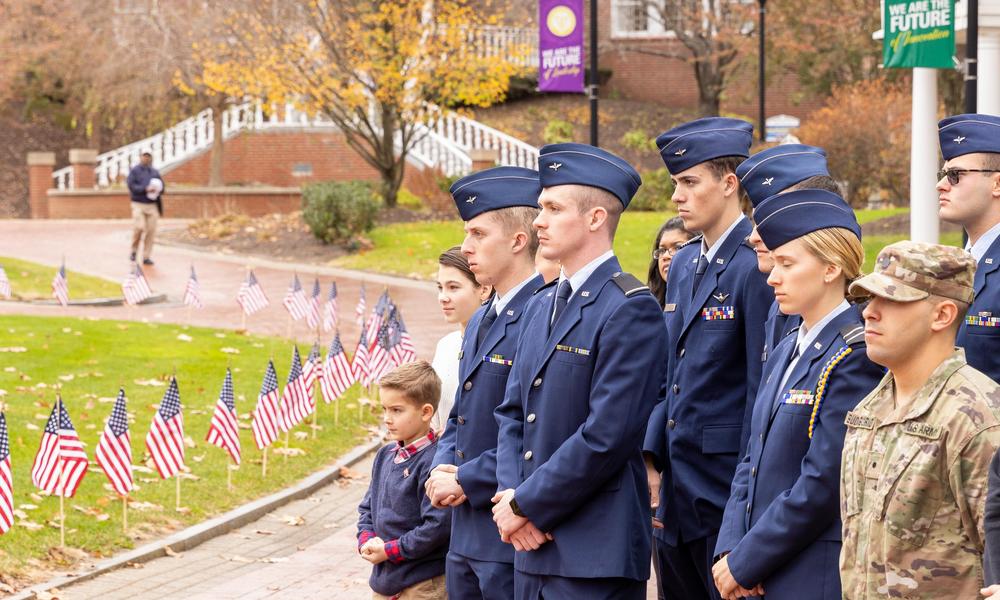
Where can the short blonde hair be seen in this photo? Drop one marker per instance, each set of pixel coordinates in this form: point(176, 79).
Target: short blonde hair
point(840, 247)
point(588, 198)
point(416, 380)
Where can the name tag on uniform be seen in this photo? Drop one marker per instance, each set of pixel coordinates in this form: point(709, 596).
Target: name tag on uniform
point(718, 313)
point(572, 350)
point(982, 319)
point(798, 397)
point(497, 359)
point(924, 430)
point(860, 421)
point(670, 307)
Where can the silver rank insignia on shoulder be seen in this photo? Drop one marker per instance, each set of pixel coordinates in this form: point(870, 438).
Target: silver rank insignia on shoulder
point(510, 313)
point(988, 261)
point(585, 294)
point(670, 307)
point(768, 181)
point(680, 152)
point(471, 199)
point(817, 345)
point(555, 166)
point(720, 296)
point(720, 261)
point(959, 139)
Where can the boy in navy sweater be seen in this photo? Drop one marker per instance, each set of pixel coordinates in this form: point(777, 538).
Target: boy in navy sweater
point(398, 530)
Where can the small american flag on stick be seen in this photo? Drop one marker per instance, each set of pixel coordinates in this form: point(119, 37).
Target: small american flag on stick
point(330, 317)
point(61, 461)
point(114, 450)
point(296, 401)
point(337, 374)
point(4, 284)
point(6, 480)
point(165, 440)
point(265, 418)
point(362, 307)
point(192, 291)
point(60, 287)
point(224, 431)
point(295, 300)
point(136, 288)
point(312, 317)
point(251, 296)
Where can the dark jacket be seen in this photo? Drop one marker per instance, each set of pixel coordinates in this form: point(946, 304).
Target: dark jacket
point(138, 179)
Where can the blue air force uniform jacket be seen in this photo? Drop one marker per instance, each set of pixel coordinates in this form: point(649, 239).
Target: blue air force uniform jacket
point(571, 425)
point(470, 439)
point(980, 333)
point(698, 433)
point(782, 522)
point(777, 326)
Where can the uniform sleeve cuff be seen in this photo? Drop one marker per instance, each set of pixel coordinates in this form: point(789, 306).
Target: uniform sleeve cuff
point(363, 537)
point(394, 552)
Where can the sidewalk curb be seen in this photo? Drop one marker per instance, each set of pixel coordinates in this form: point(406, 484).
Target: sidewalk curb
point(192, 536)
point(154, 299)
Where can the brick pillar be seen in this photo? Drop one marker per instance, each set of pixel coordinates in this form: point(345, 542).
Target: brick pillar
point(83, 160)
point(483, 158)
point(39, 181)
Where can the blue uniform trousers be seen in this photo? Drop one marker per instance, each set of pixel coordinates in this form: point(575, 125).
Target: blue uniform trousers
point(470, 579)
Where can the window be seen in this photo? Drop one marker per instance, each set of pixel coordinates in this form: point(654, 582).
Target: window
point(637, 18)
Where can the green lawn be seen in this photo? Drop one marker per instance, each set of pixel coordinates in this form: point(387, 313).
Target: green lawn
point(412, 249)
point(32, 281)
point(89, 359)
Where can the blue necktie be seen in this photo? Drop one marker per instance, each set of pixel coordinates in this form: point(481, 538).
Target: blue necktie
point(699, 272)
point(562, 298)
point(484, 326)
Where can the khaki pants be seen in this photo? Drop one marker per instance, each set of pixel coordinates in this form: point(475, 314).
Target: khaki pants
point(144, 219)
point(429, 589)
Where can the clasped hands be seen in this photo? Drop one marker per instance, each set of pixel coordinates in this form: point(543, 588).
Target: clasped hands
point(515, 530)
point(728, 588)
point(374, 551)
point(442, 487)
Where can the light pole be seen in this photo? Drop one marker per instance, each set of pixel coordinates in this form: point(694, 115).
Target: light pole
point(761, 64)
point(592, 87)
point(971, 54)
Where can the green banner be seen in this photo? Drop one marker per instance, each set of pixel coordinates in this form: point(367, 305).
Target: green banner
point(918, 33)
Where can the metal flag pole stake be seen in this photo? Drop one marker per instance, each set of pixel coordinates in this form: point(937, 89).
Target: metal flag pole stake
point(178, 478)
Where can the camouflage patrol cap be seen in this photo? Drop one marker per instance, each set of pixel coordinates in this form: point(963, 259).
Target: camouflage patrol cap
point(910, 271)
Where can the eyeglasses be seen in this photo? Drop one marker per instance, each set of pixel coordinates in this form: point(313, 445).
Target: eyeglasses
point(659, 252)
point(954, 175)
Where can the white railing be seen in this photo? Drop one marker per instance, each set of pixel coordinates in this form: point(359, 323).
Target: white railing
point(518, 45)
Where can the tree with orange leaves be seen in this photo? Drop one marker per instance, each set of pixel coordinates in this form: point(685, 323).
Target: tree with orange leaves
point(380, 70)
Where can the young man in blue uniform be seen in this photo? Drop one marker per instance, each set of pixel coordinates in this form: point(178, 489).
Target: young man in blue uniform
point(498, 206)
point(769, 172)
point(571, 483)
point(717, 302)
point(969, 195)
point(781, 531)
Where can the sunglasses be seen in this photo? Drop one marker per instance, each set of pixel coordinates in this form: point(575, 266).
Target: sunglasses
point(954, 175)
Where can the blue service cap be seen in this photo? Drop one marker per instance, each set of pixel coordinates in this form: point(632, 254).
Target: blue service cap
point(965, 134)
point(776, 169)
point(582, 164)
point(495, 188)
point(785, 217)
point(702, 140)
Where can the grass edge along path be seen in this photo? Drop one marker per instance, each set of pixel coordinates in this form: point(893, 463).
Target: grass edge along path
point(32, 281)
point(87, 360)
point(412, 249)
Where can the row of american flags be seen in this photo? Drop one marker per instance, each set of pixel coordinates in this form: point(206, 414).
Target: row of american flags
point(61, 462)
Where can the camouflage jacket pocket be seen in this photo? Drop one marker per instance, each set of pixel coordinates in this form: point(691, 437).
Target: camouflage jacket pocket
point(914, 485)
point(852, 477)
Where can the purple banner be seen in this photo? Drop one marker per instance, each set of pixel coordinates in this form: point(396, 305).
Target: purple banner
point(560, 46)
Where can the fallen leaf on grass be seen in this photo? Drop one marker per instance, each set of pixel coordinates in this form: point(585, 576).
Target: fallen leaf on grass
point(105, 399)
point(10, 369)
point(35, 497)
point(188, 441)
point(290, 451)
point(229, 350)
point(301, 435)
point(29, 525)
point(220, 335)
point(150, 382)
point(31, 426)
point(184, 337)
point(69, 377)
point(27, 507)
point(141, 469)
point(14, 349)
point(170, 552)
point(292, 520)
point(198, 458)
point(183, 510)
point(148, 479)
point(20, 514)
point(145, 506)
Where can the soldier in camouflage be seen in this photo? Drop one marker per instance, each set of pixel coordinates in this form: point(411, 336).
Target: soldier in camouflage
point(918, 448)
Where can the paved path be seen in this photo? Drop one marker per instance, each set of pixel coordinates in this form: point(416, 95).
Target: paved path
point(100, 247)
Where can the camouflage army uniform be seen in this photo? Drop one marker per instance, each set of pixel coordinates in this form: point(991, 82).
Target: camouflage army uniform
point(914, 478)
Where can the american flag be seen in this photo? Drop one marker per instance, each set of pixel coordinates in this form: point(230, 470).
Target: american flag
point(379, 314)
point(114, 450)
point(224, 431)
point(359, 363)
point(337, 374)
point(4, 284)
point(165, 440)
point(60, 287)
point(192, 291)
point(6, 480)
point(295, 300)
point(251, 296)
point(380, 359)
point(136, 288)
point(265, 418)
point(330, 317)
point(296, 401)
point(312, 317)
point(402, 349)
point(61, 461)
point(359, 310)
point(313, 369)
